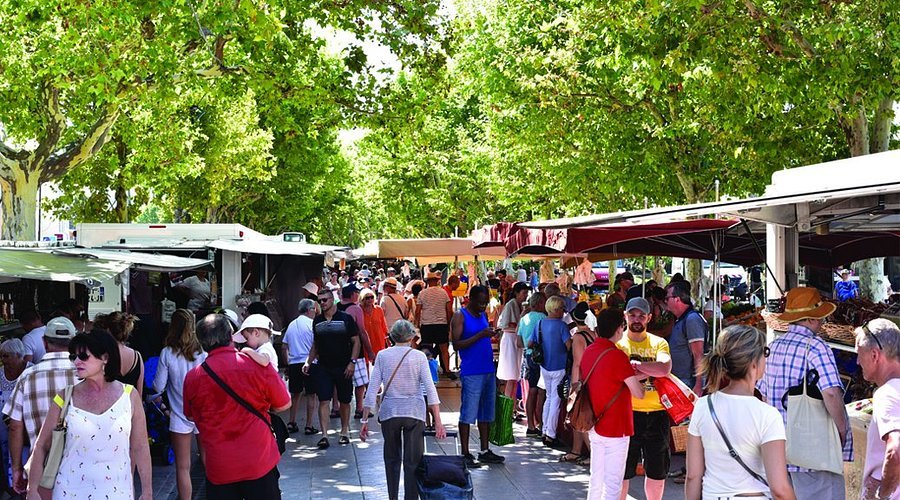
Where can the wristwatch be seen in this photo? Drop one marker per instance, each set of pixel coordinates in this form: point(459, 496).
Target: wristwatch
point(352, 360)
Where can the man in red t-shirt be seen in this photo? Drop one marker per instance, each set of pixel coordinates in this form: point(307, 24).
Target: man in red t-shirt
point(241, 453)
point(611, 386)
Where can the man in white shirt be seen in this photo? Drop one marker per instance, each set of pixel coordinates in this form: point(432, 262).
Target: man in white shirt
point(394, 305)
point(34, 339)
point(298, 338)
point(878, 354)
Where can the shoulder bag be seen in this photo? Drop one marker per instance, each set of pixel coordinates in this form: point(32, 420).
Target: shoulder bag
point(731, 450)
point(274, 422)
point(579, 409)
point(813, 441)
point(537, 347)
point(57, 444)
point(391, 379)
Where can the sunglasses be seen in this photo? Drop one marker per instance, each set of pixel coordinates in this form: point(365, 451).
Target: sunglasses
point(324, 300)
point(83, 356)
point(865, 328)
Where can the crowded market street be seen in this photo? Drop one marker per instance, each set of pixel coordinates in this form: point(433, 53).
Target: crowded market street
point(356, 471)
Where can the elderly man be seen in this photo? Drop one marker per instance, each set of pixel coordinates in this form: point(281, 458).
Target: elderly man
point(241, 454)
point(688, 335)
point(650, 358)
point(29, 402)
point(800, 348)
point(394, 305)
point(298, 338)
point(878, 354)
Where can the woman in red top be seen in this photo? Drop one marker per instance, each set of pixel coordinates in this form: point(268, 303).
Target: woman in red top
point(611, 386)
point(376, 326)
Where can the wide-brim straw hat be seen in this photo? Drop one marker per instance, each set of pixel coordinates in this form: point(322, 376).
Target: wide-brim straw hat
point(805, 303)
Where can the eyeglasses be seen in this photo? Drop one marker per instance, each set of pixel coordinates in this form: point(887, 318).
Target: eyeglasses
point(324, 300)
point(865, 328)
point(83, 356)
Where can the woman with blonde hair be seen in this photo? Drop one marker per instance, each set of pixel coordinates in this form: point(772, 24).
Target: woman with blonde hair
point(736, 442)
point(120, 325)
point(181, 354)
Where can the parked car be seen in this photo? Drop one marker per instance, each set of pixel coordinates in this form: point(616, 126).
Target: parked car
point(601, 273)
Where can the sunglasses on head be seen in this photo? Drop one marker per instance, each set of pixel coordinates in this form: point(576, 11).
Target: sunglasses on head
point(83, 356)
point(865, 328)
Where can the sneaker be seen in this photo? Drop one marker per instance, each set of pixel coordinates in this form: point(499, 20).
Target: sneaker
point(533, 432)
point(489, 457)
point(471, 462)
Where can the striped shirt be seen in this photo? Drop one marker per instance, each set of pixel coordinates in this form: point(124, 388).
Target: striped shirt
point(404, 396)
point(35, 389)
point(785, 367)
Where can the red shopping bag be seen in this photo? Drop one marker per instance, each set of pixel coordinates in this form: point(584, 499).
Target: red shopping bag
point(677, 398)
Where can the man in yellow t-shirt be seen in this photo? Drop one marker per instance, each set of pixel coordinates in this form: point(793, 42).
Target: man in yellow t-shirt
point(650, 358)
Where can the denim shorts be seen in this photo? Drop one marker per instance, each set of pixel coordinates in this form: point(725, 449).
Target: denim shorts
point(479, 393)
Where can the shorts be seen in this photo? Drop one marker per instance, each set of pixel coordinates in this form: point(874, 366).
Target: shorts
point(330, 379)
point(435, 334)
point(180, 425)
point(532, 372)
point(299, 382)
point(360, 373)
point(649, 443)
point(478, 397)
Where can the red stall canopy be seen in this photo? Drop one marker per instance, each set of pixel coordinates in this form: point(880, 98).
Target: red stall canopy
point(579, 240)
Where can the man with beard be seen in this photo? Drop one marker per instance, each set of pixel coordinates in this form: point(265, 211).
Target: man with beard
point(650, 358)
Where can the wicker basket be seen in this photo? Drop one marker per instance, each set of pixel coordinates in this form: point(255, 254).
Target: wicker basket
point(773, 322)
point(679, 438)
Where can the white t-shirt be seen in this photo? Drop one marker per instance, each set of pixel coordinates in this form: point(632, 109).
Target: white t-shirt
point(34, 344)
point(434, 306)
point(299, 339)
point(268, 350)
point(885, 419)
point(711, 306)
point(749, 423)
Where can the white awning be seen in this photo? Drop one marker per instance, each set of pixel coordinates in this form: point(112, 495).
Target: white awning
point(429, 250)
point(44, 265)
point(142, 261)
point(270, 247)
point(866, 199)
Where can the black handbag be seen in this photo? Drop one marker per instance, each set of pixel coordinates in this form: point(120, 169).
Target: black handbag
point(274, 422)
point(537, 348)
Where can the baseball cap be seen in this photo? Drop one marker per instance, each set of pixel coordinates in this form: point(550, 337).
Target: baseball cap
point(350, 288)
point(254, 321)
point(60, 328)
point(638, 303)
point(232, 317)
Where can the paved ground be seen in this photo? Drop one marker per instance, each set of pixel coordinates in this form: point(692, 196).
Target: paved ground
point(356, 471)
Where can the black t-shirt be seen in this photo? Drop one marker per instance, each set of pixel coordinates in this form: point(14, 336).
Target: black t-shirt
point(333, 339)
point(493, 283)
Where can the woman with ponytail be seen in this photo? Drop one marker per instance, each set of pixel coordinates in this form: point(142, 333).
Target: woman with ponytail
point(754, 430)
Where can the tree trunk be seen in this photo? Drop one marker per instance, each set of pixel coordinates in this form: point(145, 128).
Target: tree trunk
point(872, 281)
point(19, 200)
point(881, 126)
point(121, 191)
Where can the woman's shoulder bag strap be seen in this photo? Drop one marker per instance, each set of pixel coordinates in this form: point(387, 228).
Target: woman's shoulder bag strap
point(731, 450)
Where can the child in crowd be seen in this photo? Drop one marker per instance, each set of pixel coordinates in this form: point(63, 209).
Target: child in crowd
point(433, 366)
point(256, 331)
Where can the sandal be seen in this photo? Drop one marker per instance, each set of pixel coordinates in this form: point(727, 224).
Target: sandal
point(570, 457)
point(323, 443)
point(358, 414)
point(583, 461)
point(344, 440)
point(292, 427)
point(309, 431)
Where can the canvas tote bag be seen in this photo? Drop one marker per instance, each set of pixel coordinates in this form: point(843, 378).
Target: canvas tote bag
point(812, 437)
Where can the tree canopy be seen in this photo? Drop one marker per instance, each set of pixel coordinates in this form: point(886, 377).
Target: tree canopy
point(501, 109)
